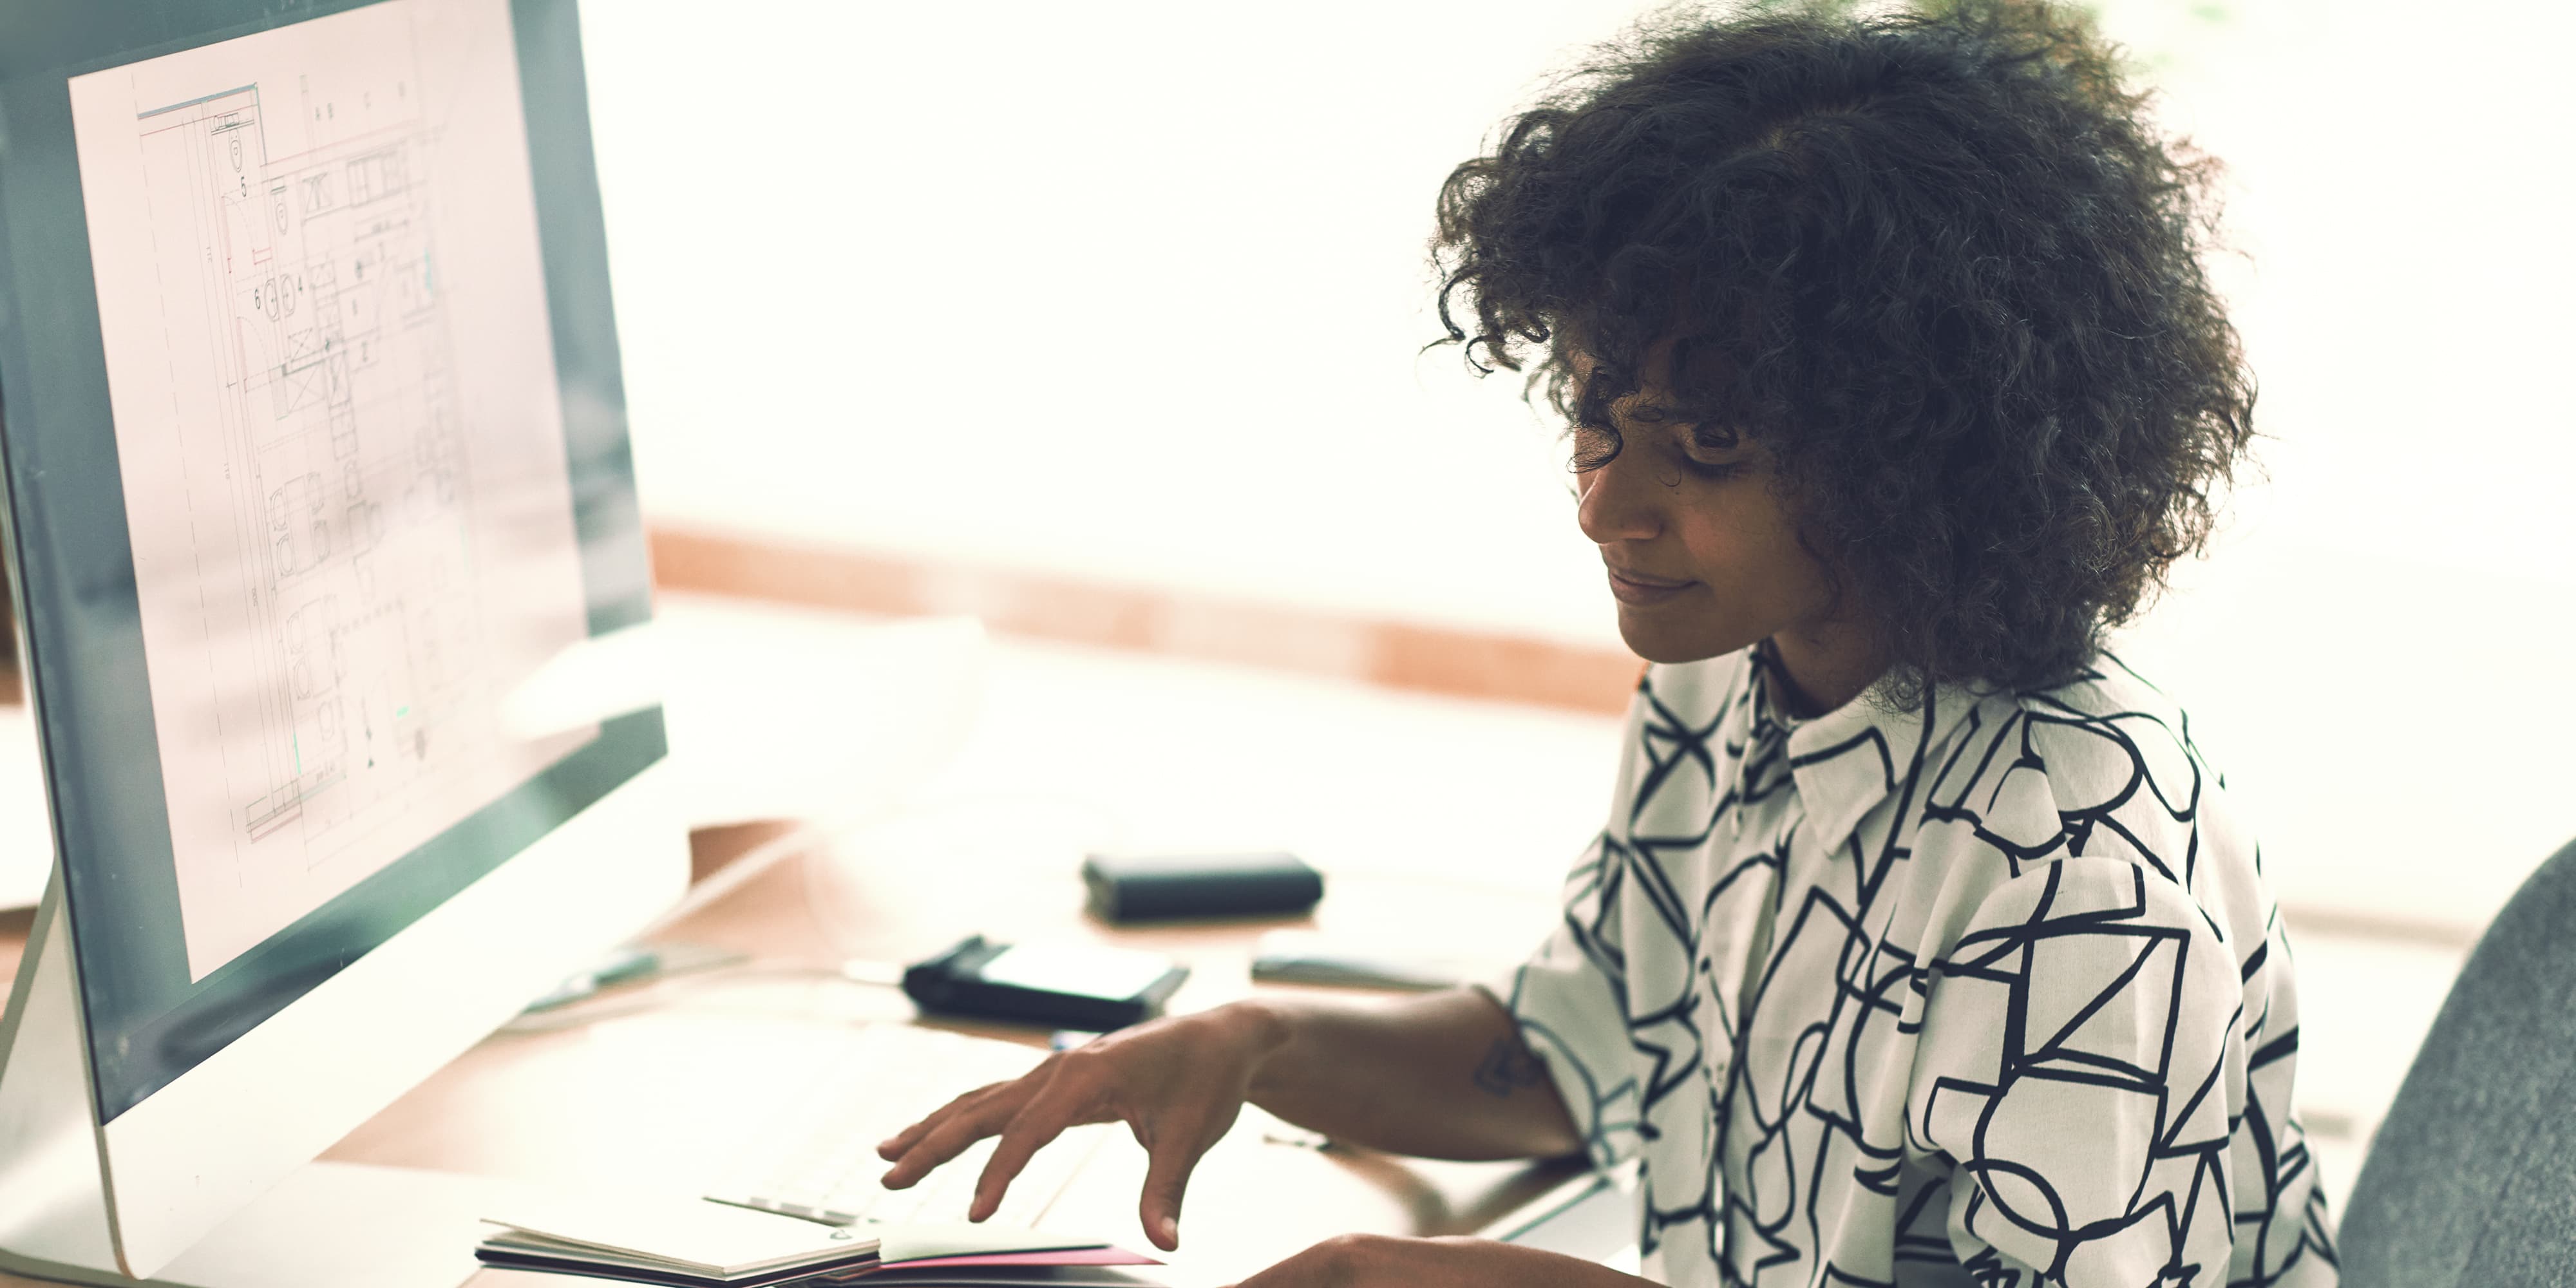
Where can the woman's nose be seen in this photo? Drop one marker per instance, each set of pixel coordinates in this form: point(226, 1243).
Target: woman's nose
point(1617, 501)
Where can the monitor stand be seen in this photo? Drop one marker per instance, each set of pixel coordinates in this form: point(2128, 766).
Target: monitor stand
point(328, 1225)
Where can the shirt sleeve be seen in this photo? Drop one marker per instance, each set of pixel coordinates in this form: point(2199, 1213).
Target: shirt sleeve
point(1570, 1001)
point(2080, 1065)
point(1570, 998)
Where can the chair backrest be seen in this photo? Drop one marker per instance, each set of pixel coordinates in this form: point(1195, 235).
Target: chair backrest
point(2472, 1178)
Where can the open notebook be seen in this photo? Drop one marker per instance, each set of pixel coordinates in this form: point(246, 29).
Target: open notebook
point(687, 1242)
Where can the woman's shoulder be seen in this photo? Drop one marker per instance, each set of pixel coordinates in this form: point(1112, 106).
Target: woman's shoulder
point(2108, 719)
point(2102, 767)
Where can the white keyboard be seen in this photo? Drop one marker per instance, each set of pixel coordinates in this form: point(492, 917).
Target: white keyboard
point(816, 1157)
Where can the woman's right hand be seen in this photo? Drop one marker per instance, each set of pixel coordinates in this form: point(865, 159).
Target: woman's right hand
point(1178, 1083)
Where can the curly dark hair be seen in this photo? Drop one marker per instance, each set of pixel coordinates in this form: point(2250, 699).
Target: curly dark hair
point(1939, 264)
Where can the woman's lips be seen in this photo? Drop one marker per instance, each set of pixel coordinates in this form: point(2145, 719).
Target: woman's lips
point(1632, 590)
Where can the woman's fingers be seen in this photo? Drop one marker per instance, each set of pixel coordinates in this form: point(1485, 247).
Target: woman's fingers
point(892, 1147)
point(1157, 1078)
point(1040, 1121)
point(1175, 1142)
point(946, 1134)
point(900, 1143)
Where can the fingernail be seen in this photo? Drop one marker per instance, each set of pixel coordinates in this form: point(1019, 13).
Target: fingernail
point(1170, 1229)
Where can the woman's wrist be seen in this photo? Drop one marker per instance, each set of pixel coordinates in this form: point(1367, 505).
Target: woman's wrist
point(1260, 1028)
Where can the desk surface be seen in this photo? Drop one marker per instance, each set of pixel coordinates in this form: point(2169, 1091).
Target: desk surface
point(652, 1083)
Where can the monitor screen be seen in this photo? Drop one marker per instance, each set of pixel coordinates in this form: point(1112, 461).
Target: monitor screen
point(316, 450)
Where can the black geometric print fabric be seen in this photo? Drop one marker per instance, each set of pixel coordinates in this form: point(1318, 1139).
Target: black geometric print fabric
point(1987, 992)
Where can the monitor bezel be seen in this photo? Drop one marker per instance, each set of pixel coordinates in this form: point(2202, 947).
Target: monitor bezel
point(175, 1163)
point(82, 653)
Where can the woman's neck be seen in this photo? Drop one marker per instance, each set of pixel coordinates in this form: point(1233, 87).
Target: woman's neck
point(1821, 668)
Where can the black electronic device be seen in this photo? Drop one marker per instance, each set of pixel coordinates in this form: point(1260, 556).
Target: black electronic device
point(1144, 887)
point(1063, 986)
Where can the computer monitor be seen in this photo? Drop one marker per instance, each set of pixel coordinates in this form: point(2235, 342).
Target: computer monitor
point(315, 448)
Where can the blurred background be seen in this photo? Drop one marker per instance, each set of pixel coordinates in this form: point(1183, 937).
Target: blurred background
point(1104, 322)
point(1134, 293)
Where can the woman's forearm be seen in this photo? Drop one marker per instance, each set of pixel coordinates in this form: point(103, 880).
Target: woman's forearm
point(1444, 1075)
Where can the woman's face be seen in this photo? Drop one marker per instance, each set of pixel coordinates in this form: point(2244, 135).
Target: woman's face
point(1703, 554)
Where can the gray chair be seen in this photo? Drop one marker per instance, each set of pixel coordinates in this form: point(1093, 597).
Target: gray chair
point(2472, 1178)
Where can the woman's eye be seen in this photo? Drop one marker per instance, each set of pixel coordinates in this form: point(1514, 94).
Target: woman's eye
point(1712, 471)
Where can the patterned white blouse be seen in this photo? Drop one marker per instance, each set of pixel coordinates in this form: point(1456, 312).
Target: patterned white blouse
point(1987, 992)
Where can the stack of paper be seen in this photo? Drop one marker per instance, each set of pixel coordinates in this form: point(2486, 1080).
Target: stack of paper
point(1067, 1268)
point(696, 1244)
point(983, 1256)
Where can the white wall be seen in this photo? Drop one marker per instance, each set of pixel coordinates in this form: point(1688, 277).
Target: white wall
point(2379, 650)
point(1092, 288)
point(1135, 291)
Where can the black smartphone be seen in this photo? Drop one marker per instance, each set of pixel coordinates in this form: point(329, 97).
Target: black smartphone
point(1063, 986)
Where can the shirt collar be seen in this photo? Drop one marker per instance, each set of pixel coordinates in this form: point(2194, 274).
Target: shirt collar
point(1757, 735)
point(1850, 758)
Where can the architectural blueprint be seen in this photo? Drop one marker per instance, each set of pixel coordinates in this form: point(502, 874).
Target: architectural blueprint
point(345, 546)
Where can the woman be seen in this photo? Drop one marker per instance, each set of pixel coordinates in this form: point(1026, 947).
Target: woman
point(1922, 946)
